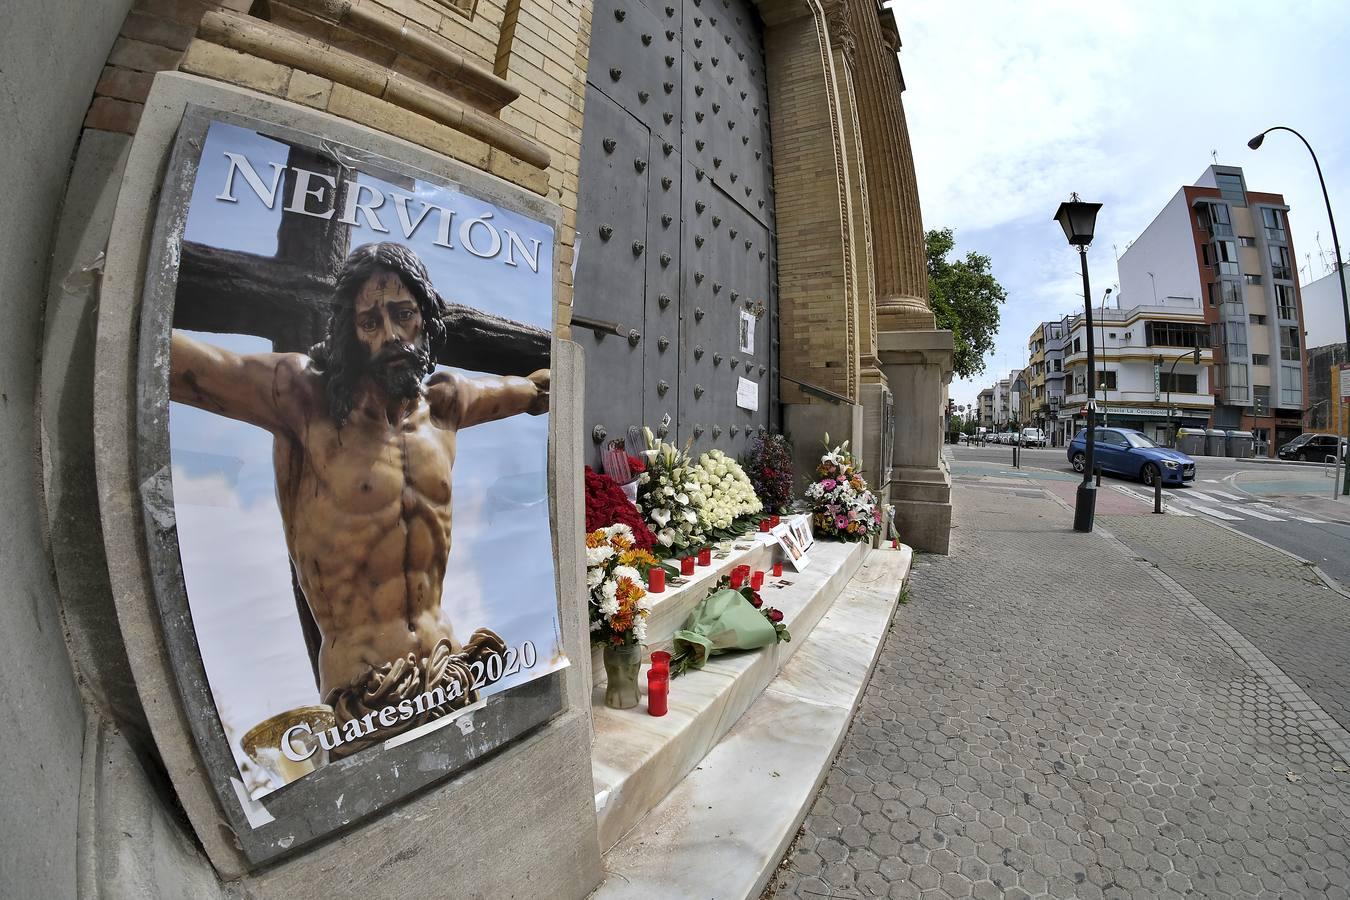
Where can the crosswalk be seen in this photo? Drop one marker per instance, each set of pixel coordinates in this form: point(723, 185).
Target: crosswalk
point(1217, 504)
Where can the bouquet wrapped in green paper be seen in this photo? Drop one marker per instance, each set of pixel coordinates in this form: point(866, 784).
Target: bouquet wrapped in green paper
point(726, 620)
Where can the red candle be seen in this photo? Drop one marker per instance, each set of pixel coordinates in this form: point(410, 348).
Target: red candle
point(763, 524)
point(737, 578)
point(777, 570)
point(757, 580)
point(661, 661)
point(658, 690)
point(773, 523)
point(687, 565)
point(895, 543)
point(705, 556)
point(656, 580)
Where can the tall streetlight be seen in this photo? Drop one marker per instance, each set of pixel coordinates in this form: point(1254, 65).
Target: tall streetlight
point(1255, 144)
point(1079, 219)
point(1106, 407)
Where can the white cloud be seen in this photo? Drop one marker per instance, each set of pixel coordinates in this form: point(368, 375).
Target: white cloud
point(1012, 106)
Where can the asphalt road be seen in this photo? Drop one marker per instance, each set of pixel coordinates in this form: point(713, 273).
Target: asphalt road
point(1288, 506)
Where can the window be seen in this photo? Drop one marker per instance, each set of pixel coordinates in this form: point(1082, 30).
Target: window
point(1279, 262)
point(1284, 301)
point(1291, 387)
point(1251, 279)
point(1107, 380)
point(1289, 349)
point(1261, 400)
point(1244, 241)
point(1260, 359)
point(1235, 339)
point(1179, 382)
point(1273, 220)
point(1057, 365)
point(1256, 319)
point(1077, 347)
point(1236, 385)
point(1230, 186)
point(1176, 334)
point(1111, 334)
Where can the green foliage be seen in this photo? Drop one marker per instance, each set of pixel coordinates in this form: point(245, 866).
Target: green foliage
point(965, 298)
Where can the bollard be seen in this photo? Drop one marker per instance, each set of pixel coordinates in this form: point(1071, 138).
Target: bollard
point(1157, 496)
point(1099, 476)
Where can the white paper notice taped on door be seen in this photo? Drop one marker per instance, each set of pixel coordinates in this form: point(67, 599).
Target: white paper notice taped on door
point(747, 394)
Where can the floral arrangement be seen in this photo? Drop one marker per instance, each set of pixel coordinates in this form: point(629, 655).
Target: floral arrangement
point(727, 619)
point(727, 493)
point(607, 505)
point(616, 570)
point(842, 506)
point(768, 463)
point(670, 496)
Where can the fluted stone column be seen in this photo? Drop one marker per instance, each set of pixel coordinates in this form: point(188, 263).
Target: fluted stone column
point(897, 224)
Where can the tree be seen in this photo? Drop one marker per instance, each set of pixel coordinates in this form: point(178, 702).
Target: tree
point(965, 298)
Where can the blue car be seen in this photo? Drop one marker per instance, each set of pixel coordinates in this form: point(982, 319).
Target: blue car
point(1124, 451)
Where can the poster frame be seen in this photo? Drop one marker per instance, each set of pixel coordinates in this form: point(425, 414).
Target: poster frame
point(338, 795)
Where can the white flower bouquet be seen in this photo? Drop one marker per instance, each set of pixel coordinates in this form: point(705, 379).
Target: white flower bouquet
point(728, 494)
point(671, 498)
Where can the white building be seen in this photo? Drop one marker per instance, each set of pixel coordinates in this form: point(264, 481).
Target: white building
point(1323, 319)
point(1144, 359)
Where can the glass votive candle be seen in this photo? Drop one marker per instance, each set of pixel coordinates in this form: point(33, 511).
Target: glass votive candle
point(656, 580)
point(737, 578)
point(777, 570)
point(764, 525)
point(658, 692)
point(661, 660)
point(757, 580)
point(687, 565)
point(705, 556)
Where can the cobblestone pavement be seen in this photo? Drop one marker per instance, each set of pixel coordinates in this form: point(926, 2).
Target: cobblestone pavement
point(1046, 719)
point(1272, 600)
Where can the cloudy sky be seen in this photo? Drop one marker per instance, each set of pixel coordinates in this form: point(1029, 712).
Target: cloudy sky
point(1012, 106)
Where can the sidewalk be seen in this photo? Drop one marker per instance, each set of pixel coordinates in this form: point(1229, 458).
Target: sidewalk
point(1050, 718)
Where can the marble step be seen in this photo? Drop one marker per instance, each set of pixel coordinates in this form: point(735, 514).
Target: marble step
point(723, 829)
point(670, 608)
point(637, 759)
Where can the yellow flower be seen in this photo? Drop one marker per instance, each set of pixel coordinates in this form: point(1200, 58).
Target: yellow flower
point(596, 539)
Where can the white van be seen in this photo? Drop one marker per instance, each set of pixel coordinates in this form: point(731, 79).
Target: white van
point(1033, 437)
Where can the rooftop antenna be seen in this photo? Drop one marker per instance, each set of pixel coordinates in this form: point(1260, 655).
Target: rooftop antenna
point(1214, 155)
point(1321, 252)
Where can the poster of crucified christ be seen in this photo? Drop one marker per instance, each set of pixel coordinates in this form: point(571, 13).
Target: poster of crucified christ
point(359, 380)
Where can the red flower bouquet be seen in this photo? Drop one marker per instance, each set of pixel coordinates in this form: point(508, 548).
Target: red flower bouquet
point(606, 505)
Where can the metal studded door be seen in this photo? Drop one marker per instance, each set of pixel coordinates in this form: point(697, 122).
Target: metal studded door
point(676, 294)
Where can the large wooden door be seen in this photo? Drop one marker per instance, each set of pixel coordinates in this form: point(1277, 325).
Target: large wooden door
point(675, 225)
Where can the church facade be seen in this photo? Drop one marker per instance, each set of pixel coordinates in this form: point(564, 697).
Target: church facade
point(737, 248)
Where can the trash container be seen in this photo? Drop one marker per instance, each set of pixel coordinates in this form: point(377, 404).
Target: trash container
point(1239, 444)
point(1214, 442)
point(1191, 441)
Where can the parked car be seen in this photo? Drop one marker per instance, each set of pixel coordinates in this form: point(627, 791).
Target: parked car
point(1314, 447)
point(1124, 451)
point(1033, 437)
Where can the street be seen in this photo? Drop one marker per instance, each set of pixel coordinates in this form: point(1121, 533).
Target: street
point(1288, 505)
point(1155, 709)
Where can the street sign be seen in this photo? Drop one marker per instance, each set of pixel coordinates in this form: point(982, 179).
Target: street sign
point(1345, 382)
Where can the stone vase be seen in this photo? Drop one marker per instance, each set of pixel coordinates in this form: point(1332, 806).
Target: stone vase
point(622, 664)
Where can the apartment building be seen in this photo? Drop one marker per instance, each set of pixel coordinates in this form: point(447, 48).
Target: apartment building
point(1230, 247)
point(984, 408)
point(1045, 348)
point(1146, 374)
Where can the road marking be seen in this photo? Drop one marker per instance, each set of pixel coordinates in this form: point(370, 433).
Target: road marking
point(1212, 481)
point(1216, 514)
point(1148, 498)
point(1310, 520)
point(1257, 514)
point(1193, 494)
point(1225, 496)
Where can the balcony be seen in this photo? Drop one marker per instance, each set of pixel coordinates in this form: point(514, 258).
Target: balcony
point(1277, 235)
point(1220, 229)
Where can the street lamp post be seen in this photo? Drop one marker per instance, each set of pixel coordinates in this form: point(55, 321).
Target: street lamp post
point(1079, 219)
point(1255, 143)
